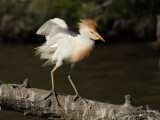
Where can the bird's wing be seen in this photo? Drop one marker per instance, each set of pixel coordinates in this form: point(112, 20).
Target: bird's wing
point(47, 27)
point(53, 30)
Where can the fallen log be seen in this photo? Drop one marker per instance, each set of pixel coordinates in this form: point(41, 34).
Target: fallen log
point(30, 101)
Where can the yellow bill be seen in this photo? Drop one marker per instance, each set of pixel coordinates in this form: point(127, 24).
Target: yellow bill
point(98, 36)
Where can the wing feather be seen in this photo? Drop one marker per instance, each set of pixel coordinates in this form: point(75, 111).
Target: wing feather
point(51, 24)
point(45, 29)
point(54, 30)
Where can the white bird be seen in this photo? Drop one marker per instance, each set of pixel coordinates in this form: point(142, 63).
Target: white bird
point(63, 45)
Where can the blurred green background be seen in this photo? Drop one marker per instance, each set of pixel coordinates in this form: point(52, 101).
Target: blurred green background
point(126, 64)
point(19, 19)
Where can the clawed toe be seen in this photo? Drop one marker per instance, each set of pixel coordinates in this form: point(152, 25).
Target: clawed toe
point(77, 96)
point(53, 92)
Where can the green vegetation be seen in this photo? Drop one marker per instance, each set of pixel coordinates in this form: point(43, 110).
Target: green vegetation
point(138, 16)
point(19, 19)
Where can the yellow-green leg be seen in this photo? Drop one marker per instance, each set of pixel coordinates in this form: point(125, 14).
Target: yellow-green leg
point(52, 79)
point(69, 78)
point(53, 90)
point(77, 94)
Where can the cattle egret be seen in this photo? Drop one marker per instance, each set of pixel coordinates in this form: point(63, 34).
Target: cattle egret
point(63, 45)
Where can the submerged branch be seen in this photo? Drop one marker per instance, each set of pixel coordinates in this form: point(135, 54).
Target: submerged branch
point(30, 101)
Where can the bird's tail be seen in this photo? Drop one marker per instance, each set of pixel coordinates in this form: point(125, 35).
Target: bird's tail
point(40, 49)
point(47, 63)
point(45, 54)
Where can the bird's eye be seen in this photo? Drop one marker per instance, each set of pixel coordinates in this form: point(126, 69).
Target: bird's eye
point(91, 32)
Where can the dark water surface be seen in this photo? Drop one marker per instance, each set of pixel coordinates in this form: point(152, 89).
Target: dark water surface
point(110, 72)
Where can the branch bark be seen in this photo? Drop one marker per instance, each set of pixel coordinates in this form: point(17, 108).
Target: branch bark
point(30, 101)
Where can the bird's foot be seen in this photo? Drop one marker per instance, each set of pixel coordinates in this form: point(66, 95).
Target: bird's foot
point(53, 92)
point(77, 96)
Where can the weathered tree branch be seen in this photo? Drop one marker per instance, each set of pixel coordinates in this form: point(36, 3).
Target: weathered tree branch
point(22, 98)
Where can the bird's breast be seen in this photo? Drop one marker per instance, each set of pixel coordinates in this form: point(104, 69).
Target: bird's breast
point(82, 54)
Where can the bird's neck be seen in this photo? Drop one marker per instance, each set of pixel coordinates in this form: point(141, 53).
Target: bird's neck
point(87, 41)
point(85, 38)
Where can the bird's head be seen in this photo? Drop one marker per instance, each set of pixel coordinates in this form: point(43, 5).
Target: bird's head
point(88, 28)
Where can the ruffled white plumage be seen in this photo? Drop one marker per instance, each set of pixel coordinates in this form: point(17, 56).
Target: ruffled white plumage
point(54, 30)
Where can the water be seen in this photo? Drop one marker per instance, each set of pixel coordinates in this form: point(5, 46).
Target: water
point(110, 72)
